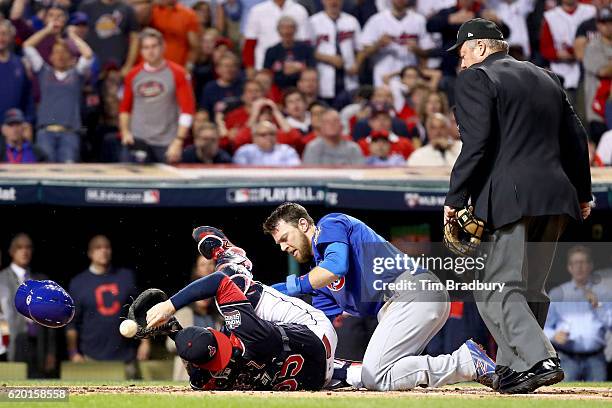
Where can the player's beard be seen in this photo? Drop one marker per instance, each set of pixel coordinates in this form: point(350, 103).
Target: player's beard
point(304, 254)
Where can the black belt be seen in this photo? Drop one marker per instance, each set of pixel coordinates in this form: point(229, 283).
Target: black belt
point(582, 354)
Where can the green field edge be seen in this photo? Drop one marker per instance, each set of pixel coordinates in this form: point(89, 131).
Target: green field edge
point(137, 383)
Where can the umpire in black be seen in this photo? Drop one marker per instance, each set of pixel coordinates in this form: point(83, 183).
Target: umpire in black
point(524, 166)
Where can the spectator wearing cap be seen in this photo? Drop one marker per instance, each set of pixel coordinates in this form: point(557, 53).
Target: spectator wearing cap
point(379, 151)
point(264, 151)
point(331, 148)
point(28, 342)
point(226, 88)
point(16, 89)
point(557, 35)
point(180, 28)
point(113, 32)
point(580, 313)
point(61, 84)
point(15, 148)
point(261, 31)
point(288, 58)
point(442, 149)
point(157, 109)
point(381, 96)
point(205, 148)
point(380, 123)
point(597, 65)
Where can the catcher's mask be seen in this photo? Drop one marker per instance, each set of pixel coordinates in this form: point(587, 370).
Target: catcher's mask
point(463, 234)
point(205, 347)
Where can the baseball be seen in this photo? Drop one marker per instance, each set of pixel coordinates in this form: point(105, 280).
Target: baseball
point(128, 328)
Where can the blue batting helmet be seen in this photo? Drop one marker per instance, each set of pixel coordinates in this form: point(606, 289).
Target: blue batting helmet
point(45, 302)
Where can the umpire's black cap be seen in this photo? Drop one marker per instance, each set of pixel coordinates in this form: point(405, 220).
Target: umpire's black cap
point(477, 29)
point(204, 347)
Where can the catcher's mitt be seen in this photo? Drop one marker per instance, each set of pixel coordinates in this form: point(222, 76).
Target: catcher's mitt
point(138, 313)
point(463, 234)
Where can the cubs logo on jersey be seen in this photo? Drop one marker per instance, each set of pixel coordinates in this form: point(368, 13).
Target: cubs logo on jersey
point(336, 285)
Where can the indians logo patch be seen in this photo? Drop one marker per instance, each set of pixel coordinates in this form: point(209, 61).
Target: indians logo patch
point(336, 285)
point(232, 319)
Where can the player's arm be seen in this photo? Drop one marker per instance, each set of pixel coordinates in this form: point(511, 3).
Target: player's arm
point(203, 288)
point(335, 264)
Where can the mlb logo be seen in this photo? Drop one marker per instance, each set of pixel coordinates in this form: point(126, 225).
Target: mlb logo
point(232, 319)
point(151, 197)
point(412, 199)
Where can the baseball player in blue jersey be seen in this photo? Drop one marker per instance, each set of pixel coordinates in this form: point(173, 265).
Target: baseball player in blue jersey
point(360, 273)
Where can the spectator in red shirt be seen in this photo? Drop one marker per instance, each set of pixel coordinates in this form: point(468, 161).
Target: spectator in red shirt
point(180, 28)
point(381, 122)
point(266, 80)
point(238, 117)
point(266, 110)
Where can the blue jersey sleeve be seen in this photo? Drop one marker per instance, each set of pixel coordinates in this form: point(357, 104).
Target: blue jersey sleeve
point(332, 228)
point(336, 259)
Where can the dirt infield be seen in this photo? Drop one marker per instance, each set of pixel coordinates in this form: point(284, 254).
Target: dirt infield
point(463, 391)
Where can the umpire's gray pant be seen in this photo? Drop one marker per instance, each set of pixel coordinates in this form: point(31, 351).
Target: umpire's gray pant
point(521, 256)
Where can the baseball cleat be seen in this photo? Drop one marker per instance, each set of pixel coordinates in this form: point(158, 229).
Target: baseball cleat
point(484, 365)
point(546, 372)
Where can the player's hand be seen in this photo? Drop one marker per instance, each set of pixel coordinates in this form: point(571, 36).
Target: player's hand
point(561, 337)
point(281, 287)
point(585, 209)
point(449, 213)
point(160, 313)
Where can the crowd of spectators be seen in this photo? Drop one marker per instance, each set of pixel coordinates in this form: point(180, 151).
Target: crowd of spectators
point(272, 82)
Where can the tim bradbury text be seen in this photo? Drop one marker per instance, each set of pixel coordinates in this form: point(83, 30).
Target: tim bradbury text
point(428, 285)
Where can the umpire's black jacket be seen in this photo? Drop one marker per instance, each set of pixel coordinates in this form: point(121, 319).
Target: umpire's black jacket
point(524, 149)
